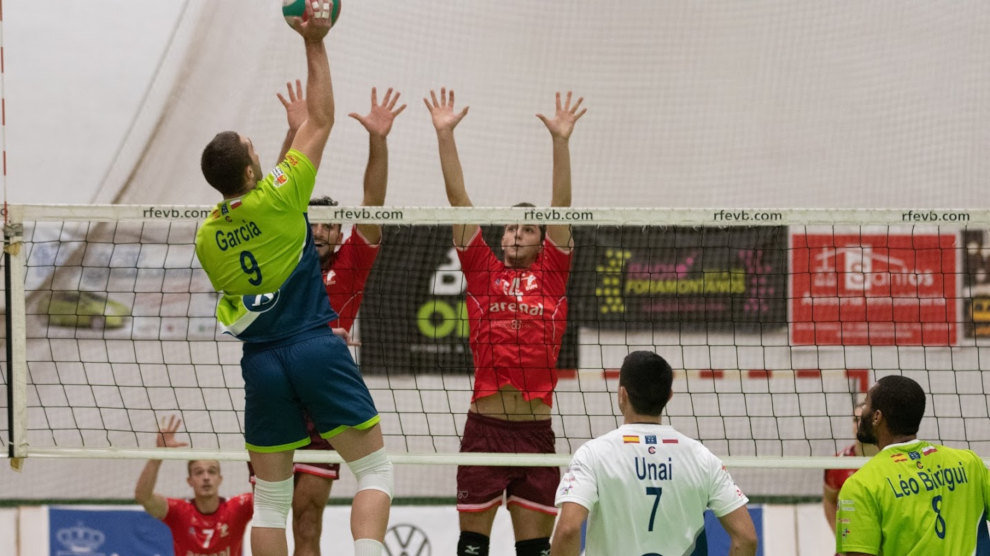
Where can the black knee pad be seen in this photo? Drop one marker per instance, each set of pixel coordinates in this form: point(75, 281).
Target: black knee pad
point(533, 547)
point(472, 544)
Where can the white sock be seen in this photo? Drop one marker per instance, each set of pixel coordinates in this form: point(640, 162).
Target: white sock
point(368, 547)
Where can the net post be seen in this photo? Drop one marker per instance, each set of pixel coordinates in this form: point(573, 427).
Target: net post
point(16, 348)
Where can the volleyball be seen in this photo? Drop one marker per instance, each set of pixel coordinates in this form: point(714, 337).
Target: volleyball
point(297, 8)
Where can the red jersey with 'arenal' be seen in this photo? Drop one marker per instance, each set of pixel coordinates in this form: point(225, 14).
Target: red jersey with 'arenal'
point(346, 276)
point(218, 534)
point(517, 318)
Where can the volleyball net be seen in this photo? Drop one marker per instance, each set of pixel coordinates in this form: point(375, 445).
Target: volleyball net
point(776, 322)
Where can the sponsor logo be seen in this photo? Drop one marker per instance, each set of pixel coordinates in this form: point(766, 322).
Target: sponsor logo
point(861, 289)
point(261, 302)
point(405, 538)
point(80, 540)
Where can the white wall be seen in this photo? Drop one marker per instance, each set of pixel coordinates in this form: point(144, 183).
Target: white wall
point(884, 104)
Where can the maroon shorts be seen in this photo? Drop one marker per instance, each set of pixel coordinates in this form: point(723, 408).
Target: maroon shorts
point(480, 488)
point(326, 470)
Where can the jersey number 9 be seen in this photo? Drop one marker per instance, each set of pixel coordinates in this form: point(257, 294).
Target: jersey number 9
point(250, 267)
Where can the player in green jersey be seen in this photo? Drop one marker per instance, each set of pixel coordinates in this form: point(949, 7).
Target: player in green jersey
point(257, 249)
point(913, 498)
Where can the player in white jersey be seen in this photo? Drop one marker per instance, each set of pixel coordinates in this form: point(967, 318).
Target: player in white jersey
point(644, 487)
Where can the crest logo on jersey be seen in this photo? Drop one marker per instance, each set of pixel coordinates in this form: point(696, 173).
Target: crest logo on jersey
point(630, 439)
point(224, 209)
point(261, 302)
point(650, 439)
point(652, 449)
point(914, 455)
point(279, 177)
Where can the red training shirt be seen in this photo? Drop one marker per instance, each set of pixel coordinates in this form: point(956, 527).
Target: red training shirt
point(834, 478)
point(345, 278)
point(517, 318)
point(218, 534)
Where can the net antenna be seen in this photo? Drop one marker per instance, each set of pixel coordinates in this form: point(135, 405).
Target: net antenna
point(777, 322)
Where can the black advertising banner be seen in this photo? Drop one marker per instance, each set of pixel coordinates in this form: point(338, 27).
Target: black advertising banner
point(976, 283)
point(414, 318)
point(670, 277)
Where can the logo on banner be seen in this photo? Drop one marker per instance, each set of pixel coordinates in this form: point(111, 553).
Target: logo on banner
point(407, 539)
point(893, 289)
point(672, 277)
point(80, 540)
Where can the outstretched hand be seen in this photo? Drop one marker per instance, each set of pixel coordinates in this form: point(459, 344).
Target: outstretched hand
point(442, 110)
point(296, 111)
point(562, 124)
point(379, 120)
point(316, 23)
point(166, 433)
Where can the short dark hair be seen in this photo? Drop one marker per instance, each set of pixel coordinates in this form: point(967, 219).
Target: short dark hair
point(647, 378)
point(324, 201)
point(223, 162)
point(901, 401)
point(543, 228)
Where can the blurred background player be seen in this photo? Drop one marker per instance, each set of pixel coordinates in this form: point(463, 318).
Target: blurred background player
point(913, 497)
point(257, 249)
point(834, 478)
point(517, 311)
point(345, 266)
point(645, 485)
point(206, 523)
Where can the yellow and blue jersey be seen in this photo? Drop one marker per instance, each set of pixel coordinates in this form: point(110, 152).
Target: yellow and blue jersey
point(258, 252)
point(915, 498)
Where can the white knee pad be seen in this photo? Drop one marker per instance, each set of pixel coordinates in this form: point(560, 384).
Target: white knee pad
point(374, 472)
point(272, 502)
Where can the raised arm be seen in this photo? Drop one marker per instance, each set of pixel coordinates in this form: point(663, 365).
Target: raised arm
point(295, 114)
point(312, 135)
point(561, 127)
point(378, 122)
point(144, 493)
point(445, 119)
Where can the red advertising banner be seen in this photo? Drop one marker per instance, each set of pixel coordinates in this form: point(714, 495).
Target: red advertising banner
point(878, 290)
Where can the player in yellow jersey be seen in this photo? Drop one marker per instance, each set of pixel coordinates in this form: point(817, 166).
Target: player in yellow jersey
point(257, 249)
point(914, 498)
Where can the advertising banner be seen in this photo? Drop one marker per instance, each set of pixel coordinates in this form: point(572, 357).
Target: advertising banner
point(874, 289)
point(104, 532)
point(976, 283)
point(671, 277)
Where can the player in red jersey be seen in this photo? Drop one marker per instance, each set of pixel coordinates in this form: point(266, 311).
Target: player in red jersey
point(345, 266)
point(205, 525)
point(517, 311)
point(834, 478)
